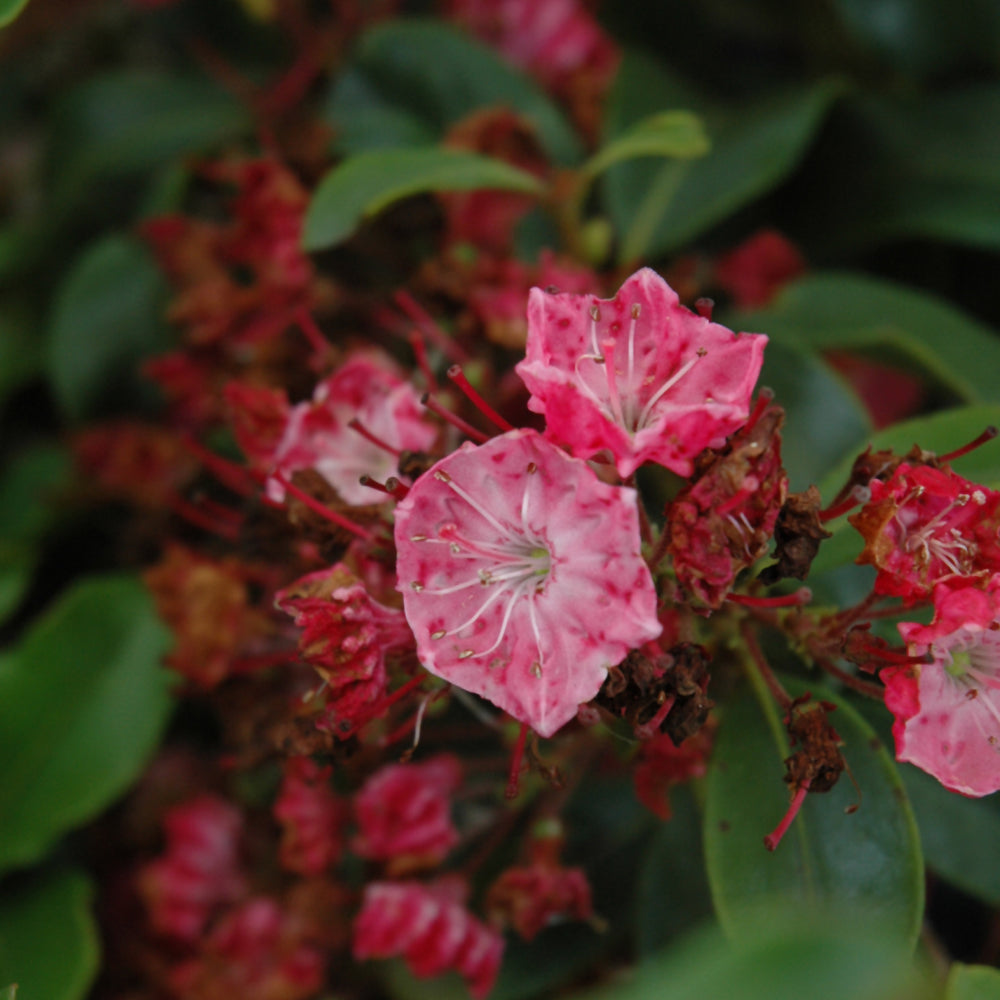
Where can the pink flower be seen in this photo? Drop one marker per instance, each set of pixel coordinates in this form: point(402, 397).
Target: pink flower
point(431, 929)
point(948, 711)
point(370, 389)
point(755, 271)
point(311, 818)
point(925, 525)
point(531, 897)
point(638, 374)
point(404, 813)
point(346, 636)
point(521, 576)
point(256, 952)
point(199, 871)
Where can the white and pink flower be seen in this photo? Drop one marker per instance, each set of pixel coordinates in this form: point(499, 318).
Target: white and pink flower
point(948, 710)
point(637, 375)
point(522, 577)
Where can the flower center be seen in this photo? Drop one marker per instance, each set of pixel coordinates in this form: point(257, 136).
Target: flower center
point(513, 569)
point(935, 540)
point(618, 392)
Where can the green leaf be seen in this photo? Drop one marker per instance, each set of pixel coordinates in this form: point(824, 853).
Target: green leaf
point(85, 701)
point(107, 317)
point(658, 208)
point(672, 889)
point(824, 417)
point(674, 134)
point(27, 489)
point(9, 9)
point(130, 121)
point(783, 954)
point(891, 322)
point(868, 861)
point(411, 76)
point(9, 992)
point(972, 982)
point(20, 346)
point(927, 166)
point(48, 939)
point(959, 835)
point(366, 184)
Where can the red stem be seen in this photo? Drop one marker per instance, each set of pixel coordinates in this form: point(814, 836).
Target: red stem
point(772, 840)
point(319, 508)
point(467, 429)
point(514, 776)
point(457, 376)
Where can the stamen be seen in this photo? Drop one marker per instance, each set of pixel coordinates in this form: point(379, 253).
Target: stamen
point(772, 840)
point(473, 503)
point(987, 435)
point(666, 387)
point(356, 425)
point(456, 421)
point(457, 376)
point(611, 375)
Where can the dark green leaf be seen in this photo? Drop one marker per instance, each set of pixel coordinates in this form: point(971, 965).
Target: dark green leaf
point(9, 9)
point(783, 954)
point(672, 889)
point(959, 835)
point(888, 321)
point(972, 982)
point(129, 121)
point(657, 208)
point(85, 701)
point(868, 861)
point(48, 940)
point(413, 75)
point(365, 184)
point(107, 317)
point(21, 353)
point(673, 134)
point(824, 418)
point(28, 488)
point(928, 166)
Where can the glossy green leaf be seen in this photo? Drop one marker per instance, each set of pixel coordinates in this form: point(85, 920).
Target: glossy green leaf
point(85, 701)
point(365, 184)
point(925, 166)
point(9, 9)
point(9, 992)
point(886, 320)
point(783, 954)
point(129, 121)
point(417, 74)
point(29, 489)
point(48, 939)
point(672, 888)
point(107, 317)
point(972, 982)
point(824, 417)
point(20, 346)
point(868, 861)
point(959, 835)
point(658, 208)
point(676, 135)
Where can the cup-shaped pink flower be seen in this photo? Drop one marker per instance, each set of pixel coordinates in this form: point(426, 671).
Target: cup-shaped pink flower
point(521, 576)
point(948, 710)
point(638, 375)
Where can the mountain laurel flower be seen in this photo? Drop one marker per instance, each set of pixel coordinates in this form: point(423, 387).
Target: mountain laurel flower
point(637, 375)
point(925, 525)
point(948, 710)
point(404, 813)
point(521, 576)
point(311, 817)
point(431, 929)
point(368, 389)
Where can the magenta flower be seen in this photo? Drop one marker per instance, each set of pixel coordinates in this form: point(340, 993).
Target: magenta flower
point(404, 813)
point(311, 817)
point(925, 525)
point(431, 929)
point(638, 375)
point(521, 576)
point(319, 435)
point(948, 711)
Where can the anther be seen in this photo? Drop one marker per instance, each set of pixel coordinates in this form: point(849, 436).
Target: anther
point(439, 634)
point(636, 310)
point(595, 314)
